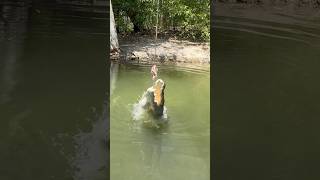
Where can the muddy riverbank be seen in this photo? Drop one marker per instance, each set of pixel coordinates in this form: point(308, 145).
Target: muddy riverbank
point(145, 49)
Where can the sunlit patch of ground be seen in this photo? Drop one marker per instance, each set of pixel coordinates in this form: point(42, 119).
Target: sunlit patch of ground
point(147, 49)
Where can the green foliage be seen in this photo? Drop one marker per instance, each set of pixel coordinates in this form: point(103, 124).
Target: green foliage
point(190, 18)
point(123, 23)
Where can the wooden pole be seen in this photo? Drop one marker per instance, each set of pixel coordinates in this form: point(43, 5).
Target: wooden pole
point(155, 49)
point(157, 19)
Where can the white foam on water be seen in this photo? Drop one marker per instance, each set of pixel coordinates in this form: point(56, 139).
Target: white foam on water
point(138, 108)
point(139, 112)
point(165, 114)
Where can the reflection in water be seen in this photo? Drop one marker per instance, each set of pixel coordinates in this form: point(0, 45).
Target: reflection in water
point(150, 142)
point(151, 153)
point(113, 76)
point(92, 151)
point(149, 137)
point(13, 24)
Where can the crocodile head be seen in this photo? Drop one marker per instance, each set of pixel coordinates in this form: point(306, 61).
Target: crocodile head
point(158, 93)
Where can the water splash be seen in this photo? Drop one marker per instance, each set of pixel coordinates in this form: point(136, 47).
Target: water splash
point(138, 111)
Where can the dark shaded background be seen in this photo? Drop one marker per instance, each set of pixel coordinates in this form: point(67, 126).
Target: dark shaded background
point(265, 73)
point(54, 88)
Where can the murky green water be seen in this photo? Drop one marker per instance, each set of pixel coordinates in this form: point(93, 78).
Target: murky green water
point(266, 91)
point(53, 84)
point(180, 150)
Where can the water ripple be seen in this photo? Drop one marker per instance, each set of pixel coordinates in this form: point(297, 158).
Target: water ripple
point(263, 34)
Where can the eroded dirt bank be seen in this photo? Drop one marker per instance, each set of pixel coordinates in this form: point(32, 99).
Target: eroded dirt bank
point(144, 48)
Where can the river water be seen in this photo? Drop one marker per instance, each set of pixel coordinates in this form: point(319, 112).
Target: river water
point(178, 150)
point(53, 110)
point(266, 91)
point(53, 88)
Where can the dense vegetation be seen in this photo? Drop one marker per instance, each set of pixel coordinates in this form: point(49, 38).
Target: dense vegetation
point(185, 18)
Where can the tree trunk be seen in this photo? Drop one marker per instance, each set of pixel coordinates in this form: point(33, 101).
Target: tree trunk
point(114, 45)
